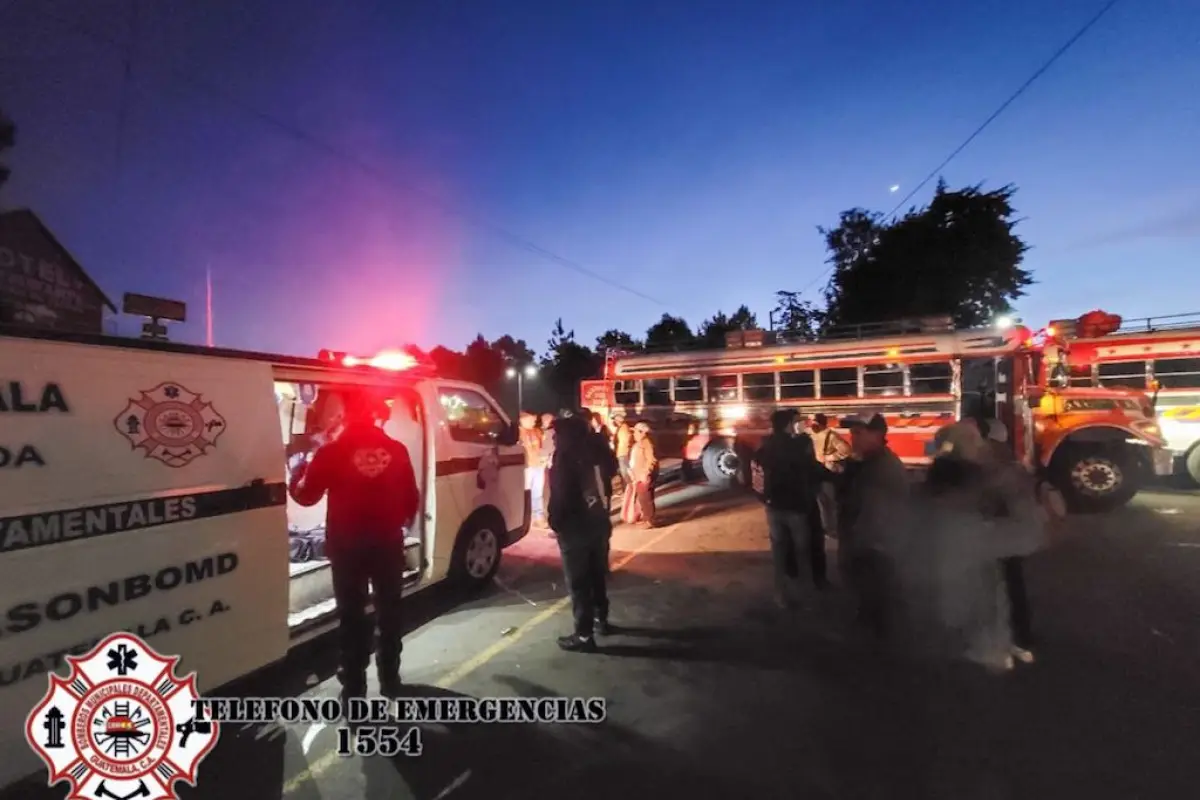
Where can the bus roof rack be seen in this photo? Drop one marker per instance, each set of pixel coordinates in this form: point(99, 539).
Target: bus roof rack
point(1169, 322)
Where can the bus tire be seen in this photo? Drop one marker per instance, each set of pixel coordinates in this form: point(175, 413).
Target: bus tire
point(1095, 478)
point(476, 557)
point(1192, 464)
point(721, 465)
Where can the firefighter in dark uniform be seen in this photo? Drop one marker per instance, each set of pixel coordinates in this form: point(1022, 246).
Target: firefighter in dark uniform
point(579, 515)
point(373, 495)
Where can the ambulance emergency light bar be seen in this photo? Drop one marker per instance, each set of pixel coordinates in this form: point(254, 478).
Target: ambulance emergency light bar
point(390, 360)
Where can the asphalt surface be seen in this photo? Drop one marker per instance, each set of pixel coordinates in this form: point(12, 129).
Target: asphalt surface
point(714, 693)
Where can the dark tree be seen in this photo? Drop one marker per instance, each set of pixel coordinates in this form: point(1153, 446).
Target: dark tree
point(712, 331)
point(8, 140)
point(483, 364)
point(449, 362)
point(669, 333)
point(957, 256)
point(795, 316)
point(614, 339)
point(565, 364)
point(516, 352)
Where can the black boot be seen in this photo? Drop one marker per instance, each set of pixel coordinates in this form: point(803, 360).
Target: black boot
point(354, 683)
point(602, 627)
point(577, 644)
point(390, 683)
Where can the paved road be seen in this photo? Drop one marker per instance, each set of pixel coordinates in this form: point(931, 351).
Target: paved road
point(715, 694)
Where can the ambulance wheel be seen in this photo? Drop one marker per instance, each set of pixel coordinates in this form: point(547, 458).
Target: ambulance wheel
point(721, 465)
point(476, 557)
point(1095, 478)
point(1193, 464)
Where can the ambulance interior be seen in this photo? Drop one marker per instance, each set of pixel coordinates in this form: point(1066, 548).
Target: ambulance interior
point(309, 415)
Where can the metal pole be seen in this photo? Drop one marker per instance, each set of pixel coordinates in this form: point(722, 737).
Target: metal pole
point(520, 393)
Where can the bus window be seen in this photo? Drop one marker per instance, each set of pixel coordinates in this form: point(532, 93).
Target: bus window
point(930, 378)
point(1177, 373)
point(839, 382)
point(1129, 374)
point(883, 380)
point(798, 384)
point(656, 392)
point(759, 386)
point(689, 390)
point(722, 388)
point(627, 393)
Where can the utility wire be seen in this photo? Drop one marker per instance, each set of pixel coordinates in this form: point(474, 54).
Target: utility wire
point(1079, 34)
point(336, 154)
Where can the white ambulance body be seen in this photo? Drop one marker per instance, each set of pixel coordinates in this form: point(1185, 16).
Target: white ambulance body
point(143, 488)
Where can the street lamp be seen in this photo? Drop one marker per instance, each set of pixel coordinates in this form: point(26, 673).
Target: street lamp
point(530, 371)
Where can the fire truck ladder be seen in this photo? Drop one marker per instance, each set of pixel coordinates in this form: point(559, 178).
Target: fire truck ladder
point(121, 747)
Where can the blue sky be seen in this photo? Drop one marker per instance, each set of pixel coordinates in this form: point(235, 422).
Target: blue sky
point(686, 149)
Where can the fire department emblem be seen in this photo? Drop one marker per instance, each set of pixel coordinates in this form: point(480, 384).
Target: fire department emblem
point(121, 725)
point(171, 424)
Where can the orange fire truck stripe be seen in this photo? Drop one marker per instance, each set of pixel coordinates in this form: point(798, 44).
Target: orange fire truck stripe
point(1182, 413)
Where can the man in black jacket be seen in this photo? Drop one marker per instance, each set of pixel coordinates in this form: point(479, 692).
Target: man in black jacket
point(579, 516)
point(791, 476)
point(372, 496)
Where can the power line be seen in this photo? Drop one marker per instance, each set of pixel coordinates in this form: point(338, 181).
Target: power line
point(335, 153)
point(1079, 34)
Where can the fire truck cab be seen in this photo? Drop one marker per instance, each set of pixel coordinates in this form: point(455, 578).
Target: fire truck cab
point(713, 407)
point(1156, 355)
point(144, 489)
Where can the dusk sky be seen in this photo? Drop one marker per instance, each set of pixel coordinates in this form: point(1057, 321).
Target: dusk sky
point(685, 149)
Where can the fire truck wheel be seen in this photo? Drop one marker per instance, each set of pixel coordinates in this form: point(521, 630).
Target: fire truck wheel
point(1193, 464)
point(720, 464)
point(1095, 478)
point(477, 550)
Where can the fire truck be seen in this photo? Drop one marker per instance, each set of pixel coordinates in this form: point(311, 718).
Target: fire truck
point(1160, 355)
point(712, 407)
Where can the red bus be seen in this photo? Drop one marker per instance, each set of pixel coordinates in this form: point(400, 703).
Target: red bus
point(712, 407)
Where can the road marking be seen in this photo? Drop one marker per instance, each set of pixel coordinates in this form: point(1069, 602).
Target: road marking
point(505, 587)
point(454, 784)
point(310, 736)
point(456, 675)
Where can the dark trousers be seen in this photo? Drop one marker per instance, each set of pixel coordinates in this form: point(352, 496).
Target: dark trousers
point(816, 546)
point(868, 577)
point(1020, 618)
point(792, 532)
point(585, 565)
point(645, 501)
point(357, 572)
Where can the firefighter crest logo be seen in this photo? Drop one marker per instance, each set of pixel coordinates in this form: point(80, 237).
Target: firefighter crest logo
point(121, 725)
point(171, 424)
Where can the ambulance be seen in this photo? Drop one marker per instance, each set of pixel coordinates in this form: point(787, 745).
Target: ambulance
point(143, 488)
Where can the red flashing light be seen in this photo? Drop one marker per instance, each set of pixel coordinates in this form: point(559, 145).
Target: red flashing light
point(390, 360)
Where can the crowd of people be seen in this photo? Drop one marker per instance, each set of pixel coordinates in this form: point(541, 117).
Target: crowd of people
point(933, 566)
point(631, 445)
